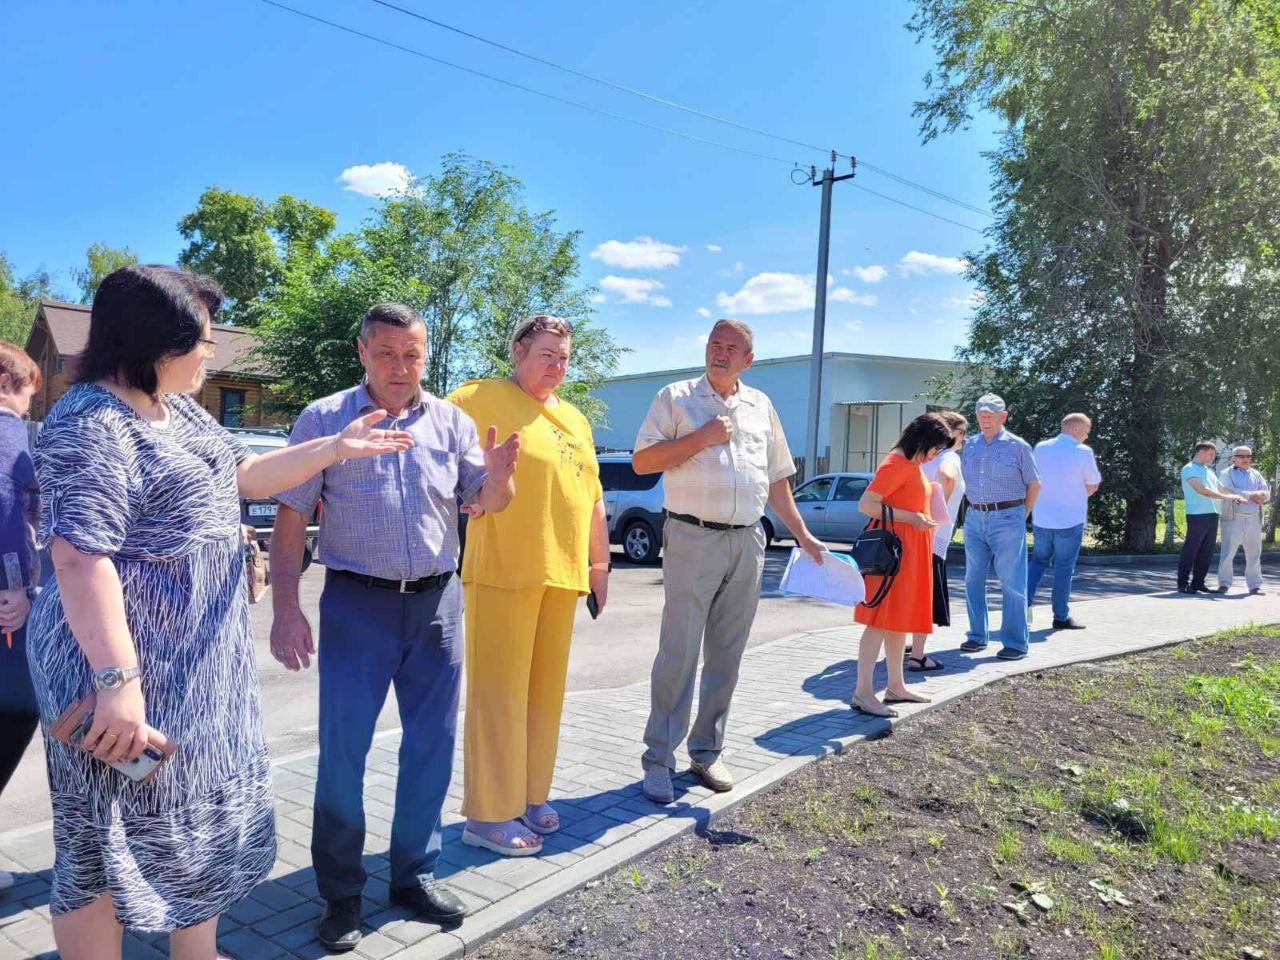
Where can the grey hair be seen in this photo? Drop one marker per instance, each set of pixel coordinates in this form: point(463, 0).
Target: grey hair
point(738, 325)
point(399, 315)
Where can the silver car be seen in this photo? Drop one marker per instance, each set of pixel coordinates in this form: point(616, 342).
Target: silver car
point(829, 505)
point(632, 507)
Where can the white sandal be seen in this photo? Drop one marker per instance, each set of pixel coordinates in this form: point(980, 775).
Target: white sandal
point(507, 833)
point(531, 822)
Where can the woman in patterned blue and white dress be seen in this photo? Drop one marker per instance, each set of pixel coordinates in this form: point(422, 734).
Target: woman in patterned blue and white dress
point(140, 499)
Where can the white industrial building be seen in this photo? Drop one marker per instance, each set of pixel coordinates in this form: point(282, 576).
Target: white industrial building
point(866, 400)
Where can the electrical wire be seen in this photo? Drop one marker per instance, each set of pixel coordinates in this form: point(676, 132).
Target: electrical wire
point(911, 206)
point(519, 86)
point(593, 109)
point(653, 98)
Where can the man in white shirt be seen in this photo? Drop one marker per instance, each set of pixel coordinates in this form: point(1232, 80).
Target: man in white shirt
point(724, 454)
point(1242, 519)
point(1069, 474)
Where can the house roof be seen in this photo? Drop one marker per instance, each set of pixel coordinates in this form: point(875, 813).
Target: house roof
point(69, 326)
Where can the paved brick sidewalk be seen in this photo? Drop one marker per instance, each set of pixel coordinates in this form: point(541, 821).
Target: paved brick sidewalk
point(790, 709)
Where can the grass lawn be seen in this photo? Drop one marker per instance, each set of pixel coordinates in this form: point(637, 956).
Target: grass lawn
point(1125, 810)
point(1091, 546)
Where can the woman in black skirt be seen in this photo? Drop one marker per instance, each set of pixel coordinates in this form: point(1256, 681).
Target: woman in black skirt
point(944, 470)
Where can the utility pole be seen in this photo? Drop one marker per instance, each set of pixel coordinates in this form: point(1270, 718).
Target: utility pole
point(826, 182)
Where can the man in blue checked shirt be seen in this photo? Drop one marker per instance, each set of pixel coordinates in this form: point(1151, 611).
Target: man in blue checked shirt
point(1002, 486)
point(390, 613)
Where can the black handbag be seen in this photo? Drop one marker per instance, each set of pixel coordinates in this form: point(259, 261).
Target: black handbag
point(878, 553)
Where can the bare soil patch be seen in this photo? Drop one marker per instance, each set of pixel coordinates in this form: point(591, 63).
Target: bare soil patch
point(1125, 809)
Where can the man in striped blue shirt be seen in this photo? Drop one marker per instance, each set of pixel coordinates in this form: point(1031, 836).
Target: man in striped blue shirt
point(1001, 486)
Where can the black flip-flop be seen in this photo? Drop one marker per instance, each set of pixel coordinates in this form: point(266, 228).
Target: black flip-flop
point(924, 664)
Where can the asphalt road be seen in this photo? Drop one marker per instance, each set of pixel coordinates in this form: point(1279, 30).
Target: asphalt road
point(613, 651)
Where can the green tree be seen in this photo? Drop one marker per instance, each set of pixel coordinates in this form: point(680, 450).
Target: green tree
point(19, 300)
point(99, 261)
point(462, 249)
point(1136, 198)
point(244, 242)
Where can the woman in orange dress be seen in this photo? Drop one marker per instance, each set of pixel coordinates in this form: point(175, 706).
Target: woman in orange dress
point(900, 485)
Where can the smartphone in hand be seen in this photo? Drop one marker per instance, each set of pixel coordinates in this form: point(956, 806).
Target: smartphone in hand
point(593, 607)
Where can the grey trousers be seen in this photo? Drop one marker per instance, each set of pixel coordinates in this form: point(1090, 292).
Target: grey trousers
point(1241, 532)
point(711, 584)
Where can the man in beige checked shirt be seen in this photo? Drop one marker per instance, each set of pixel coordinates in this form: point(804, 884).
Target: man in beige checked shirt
point(725, 456)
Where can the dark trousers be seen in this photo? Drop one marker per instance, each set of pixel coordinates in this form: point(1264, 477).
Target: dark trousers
point(1197, 549)
point(18, 714)
point(371, 638)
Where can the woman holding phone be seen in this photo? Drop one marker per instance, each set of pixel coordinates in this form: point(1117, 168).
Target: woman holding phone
point(523, 572)
point(140, 500)
point(900, 491)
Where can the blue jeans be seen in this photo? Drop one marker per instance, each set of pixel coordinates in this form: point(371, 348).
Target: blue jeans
point(1059, 549)
point(371, 638)
point(997, 539)
point(19, 715)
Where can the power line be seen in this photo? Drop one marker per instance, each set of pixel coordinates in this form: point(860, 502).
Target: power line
point(519, 86)
point(909, 206)
point(584, 106)
point(653, 98)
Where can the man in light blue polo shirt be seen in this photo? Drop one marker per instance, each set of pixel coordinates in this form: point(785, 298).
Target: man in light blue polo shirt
point(1201, 493)
point(1070, 476)
point(1002, 485)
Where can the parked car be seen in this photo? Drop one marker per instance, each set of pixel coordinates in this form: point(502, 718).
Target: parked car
point(632, 507)
point(261, 513)
point(829, 505)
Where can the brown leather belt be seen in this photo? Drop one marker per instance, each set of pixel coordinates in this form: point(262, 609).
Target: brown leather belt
point(990, 507)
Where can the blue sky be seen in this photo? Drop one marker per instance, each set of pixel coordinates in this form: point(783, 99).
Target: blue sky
point(119, 114)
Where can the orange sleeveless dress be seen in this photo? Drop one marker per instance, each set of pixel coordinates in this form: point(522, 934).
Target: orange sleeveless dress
point(908, 608)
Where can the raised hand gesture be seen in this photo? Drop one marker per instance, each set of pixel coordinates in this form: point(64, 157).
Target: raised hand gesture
point(362, 438)
point(500, 461)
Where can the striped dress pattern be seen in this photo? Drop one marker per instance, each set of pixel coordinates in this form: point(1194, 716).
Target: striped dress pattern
point(163, 504)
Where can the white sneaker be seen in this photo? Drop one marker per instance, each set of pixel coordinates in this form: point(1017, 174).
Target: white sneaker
point(715, 775)
point(657, 784)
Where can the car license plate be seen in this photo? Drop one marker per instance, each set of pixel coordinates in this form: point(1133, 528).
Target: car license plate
point(262, 509)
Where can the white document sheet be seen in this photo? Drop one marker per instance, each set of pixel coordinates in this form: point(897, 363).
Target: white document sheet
point(836, 581)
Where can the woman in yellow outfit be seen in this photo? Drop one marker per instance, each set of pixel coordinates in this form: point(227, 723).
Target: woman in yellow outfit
point(522, 574)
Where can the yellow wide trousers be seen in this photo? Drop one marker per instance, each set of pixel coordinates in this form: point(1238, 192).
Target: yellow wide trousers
point(517, 657)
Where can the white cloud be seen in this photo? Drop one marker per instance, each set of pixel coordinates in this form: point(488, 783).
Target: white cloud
point(704, 312)
point(376, 179)
point(854, 326)
point(714, 248)
point(769, 293)
point(971, 299)
point(845, 295)
point(784, 293)
point(598, 298)
point(635, 290)
point(872, 274)
point(642, 253)
point(918, 264)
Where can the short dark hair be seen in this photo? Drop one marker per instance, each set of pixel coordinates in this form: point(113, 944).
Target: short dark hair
point(392, 314)
point(142, 315)
point(1204, 445)
point(926, 432)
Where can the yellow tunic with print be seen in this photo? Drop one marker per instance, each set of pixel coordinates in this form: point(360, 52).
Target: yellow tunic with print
point(542, 538)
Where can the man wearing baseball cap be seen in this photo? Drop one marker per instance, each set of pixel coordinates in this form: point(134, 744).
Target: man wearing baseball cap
point(1002, 481)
